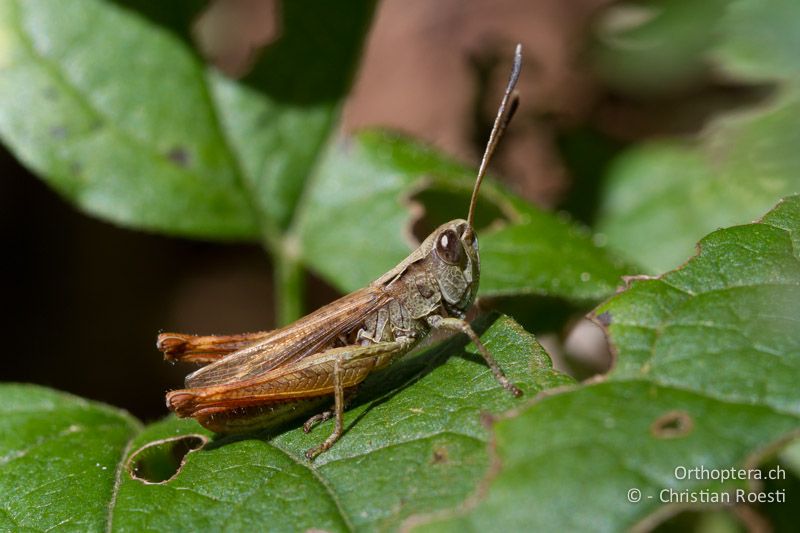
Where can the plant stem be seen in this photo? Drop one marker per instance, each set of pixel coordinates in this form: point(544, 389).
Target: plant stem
point(289, 288)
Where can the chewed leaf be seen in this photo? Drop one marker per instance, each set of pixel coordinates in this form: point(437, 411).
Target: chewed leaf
point(416, 434)
point(59, 459)
point(706, 378)
point(358, 207)
point(735, 305)
point(603, 433)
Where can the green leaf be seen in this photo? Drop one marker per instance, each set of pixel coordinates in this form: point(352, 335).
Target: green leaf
point(124, 120)
point(656, 47)
point(278, 117)
point(760, 38)
point(662, 196)
point(67, 115)
point(414, 443)
point(359, 206)
point(738, 299)
point(59, 459)
point(707, 359)
point(541, 255)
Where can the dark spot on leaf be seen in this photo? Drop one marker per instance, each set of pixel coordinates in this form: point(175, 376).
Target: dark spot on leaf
point(58, 132)
point(162, 460)
point(672, 425)
point(605, 318)
point(50, 93)
point(440, 455)
point(179, 155)
point(95, 125)
point(487, 420)
point(75, 168)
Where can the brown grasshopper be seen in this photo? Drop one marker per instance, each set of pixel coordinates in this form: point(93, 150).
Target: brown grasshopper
point(260, 380)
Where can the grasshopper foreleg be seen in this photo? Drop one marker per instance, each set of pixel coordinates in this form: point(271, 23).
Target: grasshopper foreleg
point(456, 324)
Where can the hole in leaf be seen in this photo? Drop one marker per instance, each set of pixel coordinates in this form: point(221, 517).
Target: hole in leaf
point(231, 34)
point(440, 206)
point(672, 425)
point(537, 314)
point(161, 460)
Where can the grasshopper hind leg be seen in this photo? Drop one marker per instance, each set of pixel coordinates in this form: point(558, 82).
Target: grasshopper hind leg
point(338, 405)
point(360, 361)
point(318, 418)
point(204, 349)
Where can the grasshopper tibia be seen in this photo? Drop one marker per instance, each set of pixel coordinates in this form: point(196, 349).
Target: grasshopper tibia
point(328, 413)
point(317, 419)
point(347, 362)
point(338, 406)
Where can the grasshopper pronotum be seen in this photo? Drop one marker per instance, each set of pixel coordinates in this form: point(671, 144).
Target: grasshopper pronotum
point(258, 380)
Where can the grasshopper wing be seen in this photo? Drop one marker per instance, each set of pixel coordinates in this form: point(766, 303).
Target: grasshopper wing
point(309, 335)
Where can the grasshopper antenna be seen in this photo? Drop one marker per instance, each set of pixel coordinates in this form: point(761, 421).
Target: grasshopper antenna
point(504, 114)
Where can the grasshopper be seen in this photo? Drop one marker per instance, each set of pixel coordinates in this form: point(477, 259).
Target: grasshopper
point(261, 380)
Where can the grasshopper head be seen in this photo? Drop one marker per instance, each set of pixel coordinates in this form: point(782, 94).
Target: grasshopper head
point(455, 264)
point(454, 260)
point(451, 252)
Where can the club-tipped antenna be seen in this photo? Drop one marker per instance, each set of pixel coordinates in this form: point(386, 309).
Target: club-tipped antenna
point(504, 114)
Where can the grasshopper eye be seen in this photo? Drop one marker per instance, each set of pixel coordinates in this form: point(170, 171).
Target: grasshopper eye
point(448, 247)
